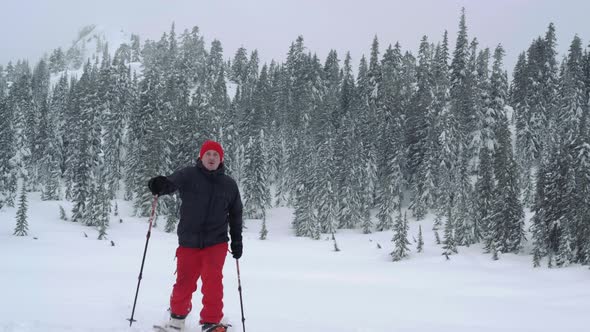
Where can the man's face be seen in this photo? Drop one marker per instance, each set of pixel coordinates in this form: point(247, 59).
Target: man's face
point(211, 160)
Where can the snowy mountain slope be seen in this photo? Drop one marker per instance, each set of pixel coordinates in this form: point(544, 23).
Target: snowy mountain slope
point(89, 45)
point(64, 281)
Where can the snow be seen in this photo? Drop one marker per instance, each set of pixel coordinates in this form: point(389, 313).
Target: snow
point(94, 35)
point(64, 281)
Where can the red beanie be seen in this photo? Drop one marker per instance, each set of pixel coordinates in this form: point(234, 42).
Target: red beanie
point(211, 145)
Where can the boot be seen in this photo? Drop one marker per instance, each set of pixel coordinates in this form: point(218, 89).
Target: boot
point(175, 324)
point(213, 327)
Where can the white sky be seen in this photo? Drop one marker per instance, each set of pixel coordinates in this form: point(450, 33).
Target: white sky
point(29, 28)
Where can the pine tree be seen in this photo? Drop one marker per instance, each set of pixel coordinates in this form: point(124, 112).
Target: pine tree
point(22, 226)
point(437, 223)
point(326, 121)
point(150, 137)
point(49, 167)
point(418, 133)
point(263, 230)
point(81, 159)
point(135, 48)
point(449, 242)
point(62, 213)
point(506, 221)
point(391, 158)
point(582, 167)
point(7, 153)
point(400, 238)
point(417, 125)
point(526, 147)
point(132, 143)
point(461, 92)
point(346, 143)
point(25, 118)
point(484, 191)
point(57, 61)
point(420, 246)
point(365, 183)
point(256, 190)
point(463, 210)
point(116, 95)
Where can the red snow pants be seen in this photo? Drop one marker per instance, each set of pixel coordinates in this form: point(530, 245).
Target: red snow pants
point(195, 263)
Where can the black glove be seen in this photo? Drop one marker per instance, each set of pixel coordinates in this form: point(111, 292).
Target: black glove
point(157, 184)
point(236, 249)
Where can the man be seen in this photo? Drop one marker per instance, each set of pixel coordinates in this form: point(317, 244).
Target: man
point(210, 202)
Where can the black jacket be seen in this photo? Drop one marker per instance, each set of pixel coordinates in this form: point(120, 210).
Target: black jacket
point(210, 202)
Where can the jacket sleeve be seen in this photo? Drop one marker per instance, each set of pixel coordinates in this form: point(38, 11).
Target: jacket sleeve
point(176, 181)
point(235, 218)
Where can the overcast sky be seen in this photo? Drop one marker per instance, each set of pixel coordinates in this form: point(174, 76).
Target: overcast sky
point(29, 28)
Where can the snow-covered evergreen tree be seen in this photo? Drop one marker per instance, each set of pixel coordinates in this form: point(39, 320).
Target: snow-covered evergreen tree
point(484, 195)
point(420, 245)
point(49, 167)
point(255, 181)
point(400, 238)
point(7, 153)
point(506, 221)
point(81, 160)
point(22, 226)
point(391, 153)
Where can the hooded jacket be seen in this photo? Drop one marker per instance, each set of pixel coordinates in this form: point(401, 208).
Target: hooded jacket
point(210, 203)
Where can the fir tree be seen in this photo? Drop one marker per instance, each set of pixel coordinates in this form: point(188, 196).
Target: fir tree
point(417, 127)
point(62, 213)
point(506, 221)
point(390, 160)
point(256, 191)
point(449, 242)
point(484, 191)
point(81, 159)
point(263, 230)
point(400, 238)
point(420, 245)
point(460, 88)
point(7, 153)
point(22, 226)
point(49, 171)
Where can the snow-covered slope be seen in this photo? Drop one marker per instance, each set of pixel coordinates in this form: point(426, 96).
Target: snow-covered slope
point(89, 44)
point(56, 279)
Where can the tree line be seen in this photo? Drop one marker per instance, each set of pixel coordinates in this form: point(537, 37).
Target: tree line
point(443, 132)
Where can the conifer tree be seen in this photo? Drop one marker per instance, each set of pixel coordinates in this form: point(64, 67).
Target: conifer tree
point(7, 153)
point(484, 194)
point(367, 171)
point(263, 230)
point(418, 133)
point(460, 89)
point(256, 190)
point(82, 157)
point(400, 238)
point(449, 242)
point(391, 138)
point(346, 173)
point(62, 213)
point(22, 226)
point(420, 246)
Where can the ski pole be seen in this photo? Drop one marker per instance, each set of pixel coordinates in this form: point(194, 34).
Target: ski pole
point(131, 320)
point(240, 291)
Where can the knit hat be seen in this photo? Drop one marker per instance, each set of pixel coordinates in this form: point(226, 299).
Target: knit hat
point(211, 145)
